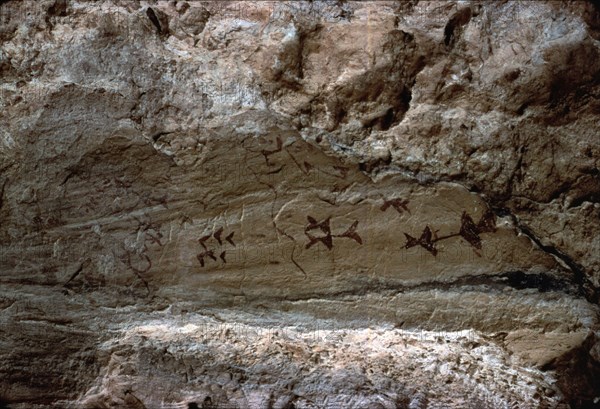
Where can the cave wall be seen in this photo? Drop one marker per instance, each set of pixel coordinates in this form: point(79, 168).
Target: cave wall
point(416, 181)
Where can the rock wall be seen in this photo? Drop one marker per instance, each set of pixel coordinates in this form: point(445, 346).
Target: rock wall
point(299, 204)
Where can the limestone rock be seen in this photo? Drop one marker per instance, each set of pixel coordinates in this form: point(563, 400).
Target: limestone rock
point(299, 204)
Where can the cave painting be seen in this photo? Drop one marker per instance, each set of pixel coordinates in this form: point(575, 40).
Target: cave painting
point(215, 245)
point(268, 152)
point(325, 230)
point(209, 253)
point(400, 205)
point(138, 260)
point(469, 231)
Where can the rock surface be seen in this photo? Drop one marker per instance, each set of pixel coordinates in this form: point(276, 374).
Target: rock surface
point(299, 204)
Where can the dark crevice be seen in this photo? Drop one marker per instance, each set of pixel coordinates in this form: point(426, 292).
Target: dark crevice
point(59, 8)
point(74, 275)
point(592, 171)
point(3, 403)
point(154, 19)
point(156, 137)
point(2, 192)
point(452, 29)
point(543, 282)
point(522, 108)
point(387, 120)
point(300, 54)
point(593, 197)
point(208, 403)
point(584, 286)
point(518, 280)
point(563, 188)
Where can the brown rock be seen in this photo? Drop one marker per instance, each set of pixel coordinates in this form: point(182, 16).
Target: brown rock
point(299, 204)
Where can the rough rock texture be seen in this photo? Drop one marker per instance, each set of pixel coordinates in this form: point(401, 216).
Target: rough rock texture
point(299, 204)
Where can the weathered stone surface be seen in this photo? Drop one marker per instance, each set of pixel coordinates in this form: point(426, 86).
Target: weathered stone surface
point(405, 192)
